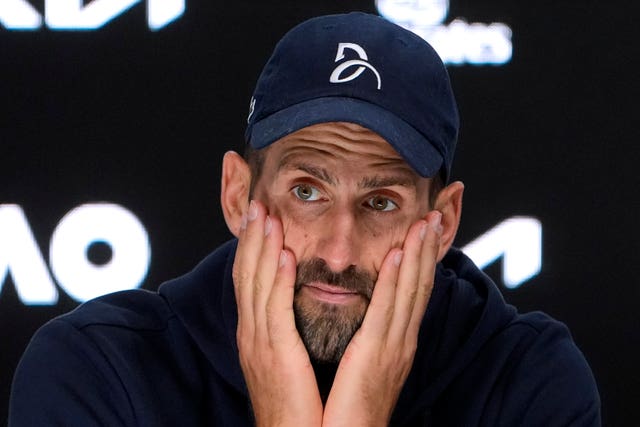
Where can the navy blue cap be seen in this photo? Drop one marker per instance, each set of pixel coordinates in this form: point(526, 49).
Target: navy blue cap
point(362, 69)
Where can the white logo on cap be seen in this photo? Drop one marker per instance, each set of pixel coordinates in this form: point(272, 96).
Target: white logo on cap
point(252, 108)
point(361, 63)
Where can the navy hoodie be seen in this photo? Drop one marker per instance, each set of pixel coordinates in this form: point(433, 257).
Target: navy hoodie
point(169, 358)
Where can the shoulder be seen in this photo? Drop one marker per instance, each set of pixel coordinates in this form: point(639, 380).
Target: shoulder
point(525, 369)
point(133, 309)
point(102, 363)
point(546, 344)
point(67, 370)
point(111, 324)
point(549, 381)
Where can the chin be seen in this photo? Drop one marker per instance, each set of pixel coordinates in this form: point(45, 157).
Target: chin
point(326, 329)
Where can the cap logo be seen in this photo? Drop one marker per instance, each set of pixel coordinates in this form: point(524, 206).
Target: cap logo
point(252, 108)
point(361, 63)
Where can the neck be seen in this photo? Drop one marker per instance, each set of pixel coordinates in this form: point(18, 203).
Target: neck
point(325, 373)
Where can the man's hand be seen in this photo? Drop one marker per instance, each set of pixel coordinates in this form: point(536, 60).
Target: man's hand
point(378, 359)
point(376, 363)
point(274, 360)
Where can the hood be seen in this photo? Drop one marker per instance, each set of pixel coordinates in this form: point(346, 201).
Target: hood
point(204, 301)
point(465, 310)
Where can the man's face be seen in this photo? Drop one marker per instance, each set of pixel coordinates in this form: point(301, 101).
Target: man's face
point(345, 198)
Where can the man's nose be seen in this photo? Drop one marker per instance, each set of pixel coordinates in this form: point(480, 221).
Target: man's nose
point(338, 244)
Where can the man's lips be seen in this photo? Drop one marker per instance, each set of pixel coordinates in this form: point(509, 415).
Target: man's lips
point(330, 293)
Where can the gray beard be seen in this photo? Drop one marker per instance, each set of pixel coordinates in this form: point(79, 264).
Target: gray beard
point(326, 329)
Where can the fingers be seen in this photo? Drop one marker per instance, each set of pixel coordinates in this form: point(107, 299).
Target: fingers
point(256, 264)
point(245, 265)
point(381, 309)
point(379, 357)
point(404, 284)
point(430, 248)
point(274, 361)
point(267, 263)
point(264, 277)
point(279, 308)
point(409, 285)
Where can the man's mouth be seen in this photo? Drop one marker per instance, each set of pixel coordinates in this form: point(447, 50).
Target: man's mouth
point(331, 294)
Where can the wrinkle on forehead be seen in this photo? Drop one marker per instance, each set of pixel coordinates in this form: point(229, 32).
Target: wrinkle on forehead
point(333, 151)
point(336, 140)
point(339, 130)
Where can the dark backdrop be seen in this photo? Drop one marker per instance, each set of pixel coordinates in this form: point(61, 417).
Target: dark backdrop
point(141, 118)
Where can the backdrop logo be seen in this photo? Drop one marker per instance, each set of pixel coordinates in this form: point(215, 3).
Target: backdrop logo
point(518, 241)
point(94, 224)
point(75, 15)
point(458, 42)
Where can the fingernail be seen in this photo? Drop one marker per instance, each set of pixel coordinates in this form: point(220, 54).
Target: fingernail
point(283, 258)
point(423, 231)
point(435, 223)
point(397, 258)
point(253, 211)
point(267, 226)
point(243, 222)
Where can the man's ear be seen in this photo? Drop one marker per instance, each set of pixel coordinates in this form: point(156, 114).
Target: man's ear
point(449, 203)
point(235, 187)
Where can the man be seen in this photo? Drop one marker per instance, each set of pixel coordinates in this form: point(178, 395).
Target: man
point(341, 302)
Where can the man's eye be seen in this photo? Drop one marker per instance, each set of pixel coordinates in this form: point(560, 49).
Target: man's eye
point(380, 203)
point(306, 192)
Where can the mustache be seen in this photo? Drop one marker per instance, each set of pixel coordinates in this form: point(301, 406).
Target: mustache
point(352, 278)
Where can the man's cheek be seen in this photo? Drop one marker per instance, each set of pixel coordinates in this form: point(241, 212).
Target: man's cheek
point(280, 205)
point(297, 240)
point(383, 243)
point(297, 236)
point(277, 209)
point(398, 233)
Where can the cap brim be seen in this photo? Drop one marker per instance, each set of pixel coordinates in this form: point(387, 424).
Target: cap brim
point(416, 150)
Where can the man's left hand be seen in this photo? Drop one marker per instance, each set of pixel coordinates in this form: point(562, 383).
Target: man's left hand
point(378, 359)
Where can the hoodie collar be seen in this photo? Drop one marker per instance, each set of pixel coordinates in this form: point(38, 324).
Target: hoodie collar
point(465, 310)
point(204, 301)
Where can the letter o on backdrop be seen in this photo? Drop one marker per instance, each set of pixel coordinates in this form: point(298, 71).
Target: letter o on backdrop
point(106, 223)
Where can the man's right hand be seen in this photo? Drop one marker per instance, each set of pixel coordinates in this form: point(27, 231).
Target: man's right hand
point(274, 360)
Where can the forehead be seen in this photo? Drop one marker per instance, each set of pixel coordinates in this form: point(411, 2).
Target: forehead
point(336, 142)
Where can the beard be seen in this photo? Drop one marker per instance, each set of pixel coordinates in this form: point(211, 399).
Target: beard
point(326, 329)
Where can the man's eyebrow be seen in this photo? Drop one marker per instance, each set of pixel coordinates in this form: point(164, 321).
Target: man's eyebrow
point(315, 171)
point(377, 181)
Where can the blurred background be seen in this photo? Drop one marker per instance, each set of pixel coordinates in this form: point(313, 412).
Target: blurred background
point(115, 114)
